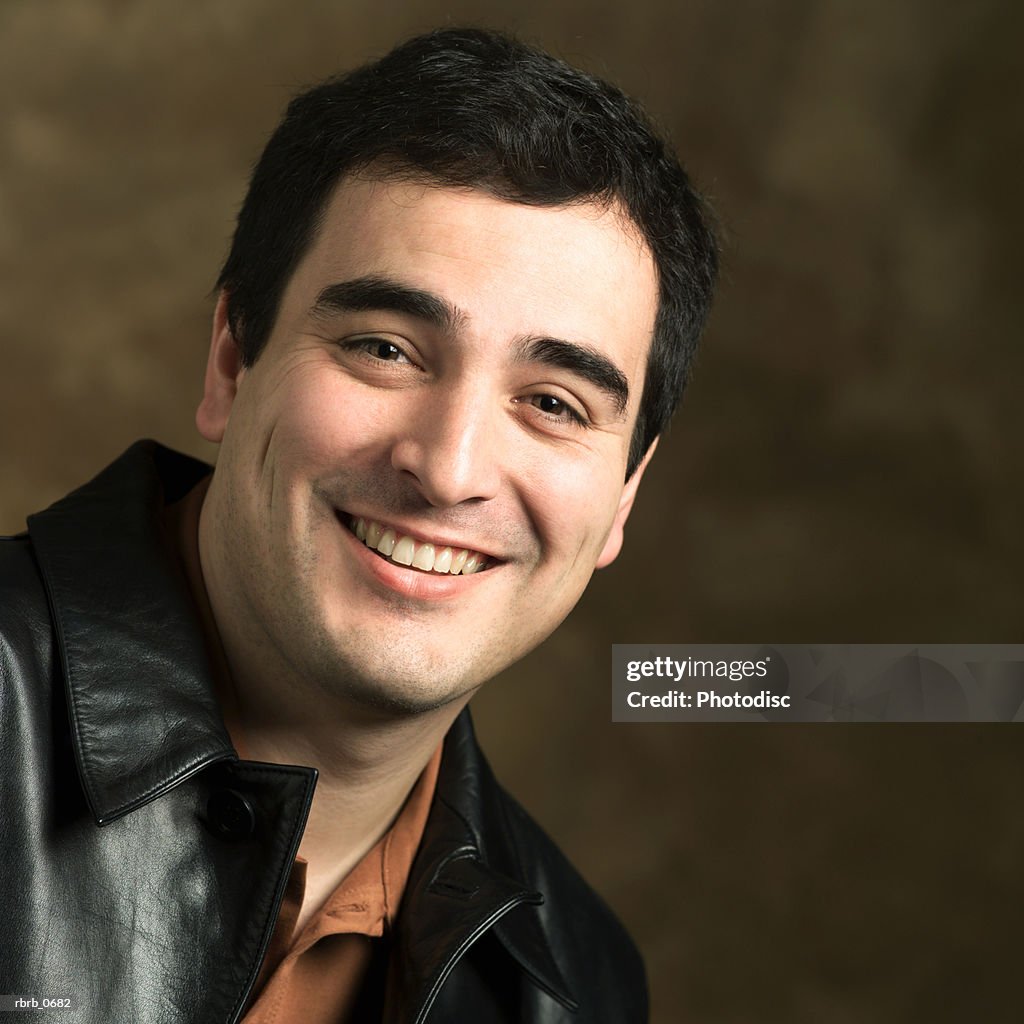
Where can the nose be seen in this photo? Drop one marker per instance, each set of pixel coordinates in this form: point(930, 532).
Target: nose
point(450, 449)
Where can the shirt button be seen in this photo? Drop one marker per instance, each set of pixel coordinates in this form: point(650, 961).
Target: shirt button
point(230, 815)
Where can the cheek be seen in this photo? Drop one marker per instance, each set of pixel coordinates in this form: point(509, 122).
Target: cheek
point(573, 507)
point(321, 422)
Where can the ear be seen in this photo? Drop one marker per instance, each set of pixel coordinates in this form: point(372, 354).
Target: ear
point(223, 371)
point(613, 545)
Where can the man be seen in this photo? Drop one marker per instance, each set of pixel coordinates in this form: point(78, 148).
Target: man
point(239, 780)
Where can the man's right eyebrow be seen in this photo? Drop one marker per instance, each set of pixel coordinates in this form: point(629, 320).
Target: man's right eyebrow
point(385, 293)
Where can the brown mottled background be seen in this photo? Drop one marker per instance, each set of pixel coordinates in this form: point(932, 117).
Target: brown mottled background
point(847, 466)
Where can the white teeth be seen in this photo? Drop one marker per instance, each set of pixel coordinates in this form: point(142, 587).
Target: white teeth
point(404, 551)
point(443, 560)
point(424, 556)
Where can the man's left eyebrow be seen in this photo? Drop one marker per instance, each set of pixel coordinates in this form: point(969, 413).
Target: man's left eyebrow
point(385, 293)
point(582, 360)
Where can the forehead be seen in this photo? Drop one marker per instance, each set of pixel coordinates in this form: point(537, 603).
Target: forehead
point(579, 272)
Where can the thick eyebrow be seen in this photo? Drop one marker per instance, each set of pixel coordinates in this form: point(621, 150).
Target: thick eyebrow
point(384, 293)
point(582, 360)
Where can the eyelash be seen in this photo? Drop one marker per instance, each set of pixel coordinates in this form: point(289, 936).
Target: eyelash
point(572, 415)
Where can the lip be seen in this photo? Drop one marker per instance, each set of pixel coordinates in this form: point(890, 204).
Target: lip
point(406, 582)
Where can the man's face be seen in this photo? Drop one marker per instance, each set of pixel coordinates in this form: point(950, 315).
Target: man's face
point(448, 368)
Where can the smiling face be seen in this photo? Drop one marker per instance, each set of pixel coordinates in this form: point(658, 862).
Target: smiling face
point(451, 384)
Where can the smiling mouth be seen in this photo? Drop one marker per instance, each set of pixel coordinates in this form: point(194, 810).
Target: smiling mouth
point(401, 549)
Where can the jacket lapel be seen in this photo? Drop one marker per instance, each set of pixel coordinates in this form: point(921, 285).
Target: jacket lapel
point(129, 695)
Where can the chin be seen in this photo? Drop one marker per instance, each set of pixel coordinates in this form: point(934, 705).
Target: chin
point(400, 701)
point(386, 686)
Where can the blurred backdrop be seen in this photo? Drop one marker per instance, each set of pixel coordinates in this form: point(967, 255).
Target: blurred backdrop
point(846, 466)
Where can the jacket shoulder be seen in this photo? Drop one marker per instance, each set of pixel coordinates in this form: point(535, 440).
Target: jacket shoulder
point(577, 961)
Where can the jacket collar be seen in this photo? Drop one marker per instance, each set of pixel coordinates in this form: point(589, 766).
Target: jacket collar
point(469, 876)
point(132, 648)
point(144, 718)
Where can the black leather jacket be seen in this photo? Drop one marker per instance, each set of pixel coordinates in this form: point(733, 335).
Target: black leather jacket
point(142, 865)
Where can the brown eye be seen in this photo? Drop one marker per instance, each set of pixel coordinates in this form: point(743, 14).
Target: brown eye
point(555, 409)
point(551, 405)
point(384, 350)
point(370, 351)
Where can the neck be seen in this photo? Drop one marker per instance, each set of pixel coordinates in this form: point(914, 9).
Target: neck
point(368, 759)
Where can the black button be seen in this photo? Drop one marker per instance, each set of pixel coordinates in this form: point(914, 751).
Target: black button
point(230, 814)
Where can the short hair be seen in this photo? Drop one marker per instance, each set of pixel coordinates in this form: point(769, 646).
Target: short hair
point(479, 109)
